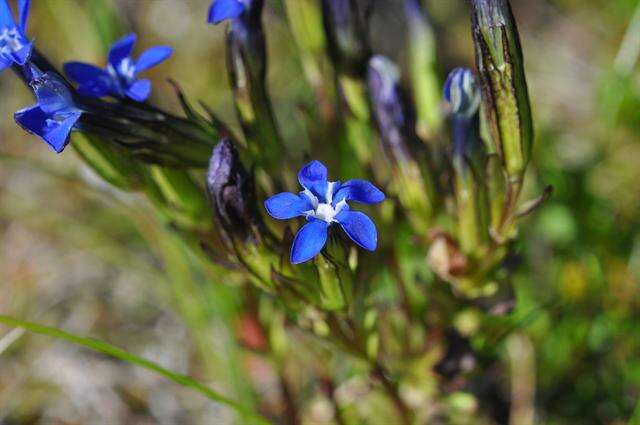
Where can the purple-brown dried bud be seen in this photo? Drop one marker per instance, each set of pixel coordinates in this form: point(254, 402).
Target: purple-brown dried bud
point(231, 190)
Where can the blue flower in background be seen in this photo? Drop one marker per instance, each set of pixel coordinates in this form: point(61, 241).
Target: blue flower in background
point(463, 95)
point(222, 10)
point(462, 92)
point(119, 79)
point(55, 114)
point(14, 45)
point(323, 203)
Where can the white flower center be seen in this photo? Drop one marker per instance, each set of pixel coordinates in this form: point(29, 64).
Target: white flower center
point(11, 40)
point(127, 68)
point(324, 211)
point(125, 74)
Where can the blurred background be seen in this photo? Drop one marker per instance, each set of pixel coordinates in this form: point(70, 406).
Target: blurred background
point(77, 254)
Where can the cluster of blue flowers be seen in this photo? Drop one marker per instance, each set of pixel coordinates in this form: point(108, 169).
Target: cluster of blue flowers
point(59, 109)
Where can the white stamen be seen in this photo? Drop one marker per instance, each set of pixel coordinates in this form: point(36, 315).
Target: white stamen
point(127, 68)
point(324, 211)
point(11, 40)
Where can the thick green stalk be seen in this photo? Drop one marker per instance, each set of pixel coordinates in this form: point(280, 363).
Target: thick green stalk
point(506, 98)
point(108, 161)
point(358, 125)
point(247, 65)
point(178, 197)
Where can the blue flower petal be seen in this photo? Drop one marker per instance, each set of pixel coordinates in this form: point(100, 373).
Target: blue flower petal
point(53, 94)
point(309, 241)
point(4, 63)
point(96, 89)
point(153, 57)
point(22, 56)
point(23, 13)
point(93, 81)
point(462, 92)
point(359, 228)
point(225, 9)
point(286, 205)
point(359, 191)
point(6, 18)
point(32, 119)
point(7, 23)
point(139, 91)
point(121, 49)
point(58, 136)
point(82, 73)
point(35, 121)
point(313, 176)
point(87, 75)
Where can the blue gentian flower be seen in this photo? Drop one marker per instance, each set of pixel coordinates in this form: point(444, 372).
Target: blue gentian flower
point(324, 203)
point(462, 92)
point(55, 114)
point(463, 95)
point(14, 45)
point(222, 10)
point(119, 78)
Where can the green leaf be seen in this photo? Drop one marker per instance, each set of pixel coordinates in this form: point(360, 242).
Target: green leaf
point(120, 354)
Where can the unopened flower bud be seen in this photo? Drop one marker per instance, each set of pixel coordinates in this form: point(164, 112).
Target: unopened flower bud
point(396, 123)
point(390, 108)
point(346, 29)
point(468, 159)
point(246, 38)
point(462, 93)
point(247, 66)
point(463, 96)
point(232, 192)
point(500, 63)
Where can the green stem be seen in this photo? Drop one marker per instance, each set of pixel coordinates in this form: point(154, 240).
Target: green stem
point(378, 372)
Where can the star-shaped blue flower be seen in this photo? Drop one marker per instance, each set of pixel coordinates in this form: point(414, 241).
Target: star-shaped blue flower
point(324, 203)
point(14, 45)
point(119, 78)
point(222, 10)
point(55, 114)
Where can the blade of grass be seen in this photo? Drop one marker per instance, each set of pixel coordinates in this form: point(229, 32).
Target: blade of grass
point(635, 419)
point(120, 354)
point(198, 310)
point(630, 48)
point(7, 340)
